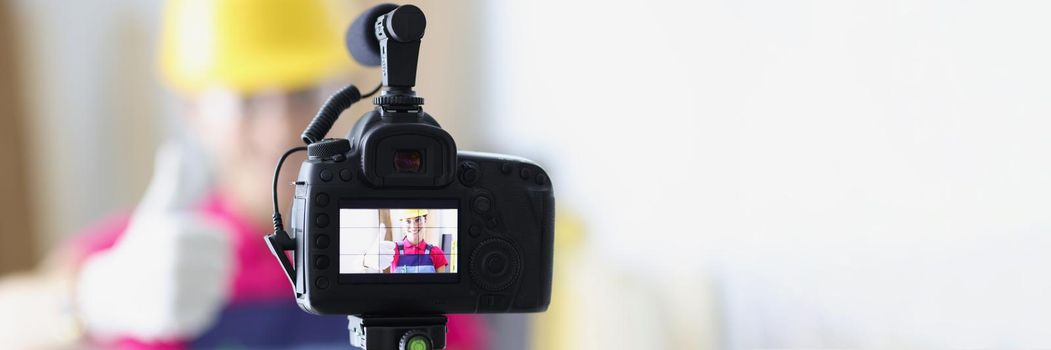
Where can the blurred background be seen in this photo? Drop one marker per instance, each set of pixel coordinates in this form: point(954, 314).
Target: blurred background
point(729, 174)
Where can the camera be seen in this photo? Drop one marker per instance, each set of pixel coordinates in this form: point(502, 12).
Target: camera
point(393, 219)
point(487, 219)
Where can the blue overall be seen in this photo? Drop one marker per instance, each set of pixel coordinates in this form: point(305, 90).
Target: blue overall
point(414, 263)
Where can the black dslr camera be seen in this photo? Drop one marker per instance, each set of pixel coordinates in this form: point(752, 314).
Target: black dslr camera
point(393, 221)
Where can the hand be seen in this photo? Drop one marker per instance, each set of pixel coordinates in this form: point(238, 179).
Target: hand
point(166, 278)
point(380, 256)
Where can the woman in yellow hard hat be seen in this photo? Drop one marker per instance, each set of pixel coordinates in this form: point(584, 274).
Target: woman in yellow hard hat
point(413, 254)
point(189, 270)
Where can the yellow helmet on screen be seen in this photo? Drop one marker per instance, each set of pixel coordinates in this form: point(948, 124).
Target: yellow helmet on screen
point(251, 45)
point(404, 214)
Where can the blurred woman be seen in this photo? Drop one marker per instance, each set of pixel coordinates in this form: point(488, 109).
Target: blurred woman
point(188, 267)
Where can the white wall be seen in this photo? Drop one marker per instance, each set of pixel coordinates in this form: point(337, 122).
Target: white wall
point(840, 173)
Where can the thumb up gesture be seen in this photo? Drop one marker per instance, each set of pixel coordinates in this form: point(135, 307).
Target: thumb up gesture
point(167, 277)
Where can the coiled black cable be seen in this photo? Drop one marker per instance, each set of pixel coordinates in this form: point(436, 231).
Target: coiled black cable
point(330, 111)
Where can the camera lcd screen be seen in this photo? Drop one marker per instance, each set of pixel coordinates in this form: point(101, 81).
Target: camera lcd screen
point(397, 240)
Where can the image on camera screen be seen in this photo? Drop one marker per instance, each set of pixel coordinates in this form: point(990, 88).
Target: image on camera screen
point(397, 240)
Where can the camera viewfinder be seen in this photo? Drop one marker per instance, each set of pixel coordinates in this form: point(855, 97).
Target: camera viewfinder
point(408, 161)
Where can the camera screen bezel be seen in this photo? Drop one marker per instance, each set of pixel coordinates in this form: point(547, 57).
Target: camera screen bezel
point(383, 278)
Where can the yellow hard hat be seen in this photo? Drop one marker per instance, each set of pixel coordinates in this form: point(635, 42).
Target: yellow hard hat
point(250, 45)
point(402, 214)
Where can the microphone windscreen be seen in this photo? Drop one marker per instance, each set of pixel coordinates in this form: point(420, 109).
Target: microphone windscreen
point(361, 36)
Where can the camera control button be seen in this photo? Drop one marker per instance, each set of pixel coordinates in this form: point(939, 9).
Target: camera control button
point(495, 264)
point(321, 220)
point(321, 262)
point(491, 223)
point(525, 173)
point(321, 282)
point(505, 168)
point(329, 149)
point(469, 173)
point(474, 231)
point(482, 204)
point(321, 199)
point(322, 241)
point(346, 174)
point(325, 175)
point(541, 179)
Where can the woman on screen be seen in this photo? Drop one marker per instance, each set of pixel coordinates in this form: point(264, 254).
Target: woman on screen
point(413, 254)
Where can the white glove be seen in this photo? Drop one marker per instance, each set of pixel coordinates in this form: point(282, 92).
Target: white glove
point(167, 277)
point(379, 256)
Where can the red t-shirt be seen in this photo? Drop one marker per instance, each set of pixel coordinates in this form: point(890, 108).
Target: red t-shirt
point(437, 256)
